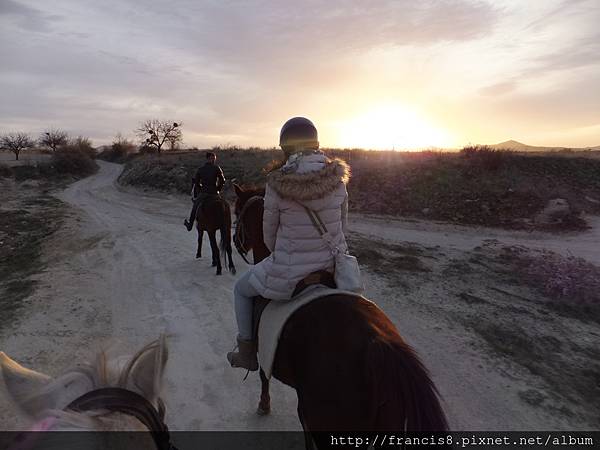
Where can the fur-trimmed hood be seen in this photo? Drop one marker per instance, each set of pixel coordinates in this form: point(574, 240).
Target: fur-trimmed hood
point(310, 185)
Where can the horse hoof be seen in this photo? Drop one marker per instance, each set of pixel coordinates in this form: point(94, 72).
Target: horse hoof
point(198, 256)
point(219, 272)
point(263, 411)
point(232, 269)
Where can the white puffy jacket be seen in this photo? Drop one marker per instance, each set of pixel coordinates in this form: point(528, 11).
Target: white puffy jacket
point(297, 249)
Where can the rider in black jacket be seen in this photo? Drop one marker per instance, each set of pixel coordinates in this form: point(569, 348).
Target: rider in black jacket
point(207, 182)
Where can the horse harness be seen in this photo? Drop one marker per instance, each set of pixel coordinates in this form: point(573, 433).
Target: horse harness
point(130, 403)
point(239, 238)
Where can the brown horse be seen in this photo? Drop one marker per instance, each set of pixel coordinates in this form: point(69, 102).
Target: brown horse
point(213, 215)
point(350, 367)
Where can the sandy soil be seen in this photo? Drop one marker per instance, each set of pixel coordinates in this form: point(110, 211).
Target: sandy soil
point(122, 269)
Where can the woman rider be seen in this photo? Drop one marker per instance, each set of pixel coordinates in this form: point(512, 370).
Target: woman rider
point(307, 179)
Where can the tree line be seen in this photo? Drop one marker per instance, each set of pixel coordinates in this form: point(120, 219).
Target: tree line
point(153, 135)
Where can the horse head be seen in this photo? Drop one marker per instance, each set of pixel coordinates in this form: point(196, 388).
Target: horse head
point(108, 394)
point(248, 228)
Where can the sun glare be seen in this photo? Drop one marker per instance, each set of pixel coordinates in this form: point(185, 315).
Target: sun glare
point(389, 127)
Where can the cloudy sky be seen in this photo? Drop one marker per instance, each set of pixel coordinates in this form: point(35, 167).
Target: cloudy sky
point(380, 74)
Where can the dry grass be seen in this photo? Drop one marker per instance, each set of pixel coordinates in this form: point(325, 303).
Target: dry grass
point(28, 216)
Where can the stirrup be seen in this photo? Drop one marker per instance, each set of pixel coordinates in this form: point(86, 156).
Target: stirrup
point(237, 347)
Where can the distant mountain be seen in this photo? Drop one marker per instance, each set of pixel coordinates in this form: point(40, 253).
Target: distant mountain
point(520, 147)
point(515, 145)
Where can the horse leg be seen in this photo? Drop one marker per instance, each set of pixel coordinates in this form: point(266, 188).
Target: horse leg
point(264, 406)
point(216, 258)
point(231, 265)
point(200, 239)
point(226, 240)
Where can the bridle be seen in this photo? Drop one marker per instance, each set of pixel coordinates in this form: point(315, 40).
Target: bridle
point(128, 402)
point(239, 238)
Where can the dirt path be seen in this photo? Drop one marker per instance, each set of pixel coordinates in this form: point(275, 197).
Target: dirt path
point(122, 270)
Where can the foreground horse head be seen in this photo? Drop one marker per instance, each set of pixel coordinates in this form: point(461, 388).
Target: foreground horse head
point(350, 367)
point(121, 394)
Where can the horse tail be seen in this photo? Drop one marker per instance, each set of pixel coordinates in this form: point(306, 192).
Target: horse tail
point(223, 249)
point(403, 395)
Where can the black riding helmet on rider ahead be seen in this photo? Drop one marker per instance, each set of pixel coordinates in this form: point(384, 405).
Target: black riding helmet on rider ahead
point(298, 134)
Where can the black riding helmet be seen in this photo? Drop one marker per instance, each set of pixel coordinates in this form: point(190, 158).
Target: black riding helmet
point(298, 134)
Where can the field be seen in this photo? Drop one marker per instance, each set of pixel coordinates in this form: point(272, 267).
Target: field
point(478, 186)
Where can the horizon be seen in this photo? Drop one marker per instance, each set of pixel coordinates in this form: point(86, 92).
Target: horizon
point(416, 76)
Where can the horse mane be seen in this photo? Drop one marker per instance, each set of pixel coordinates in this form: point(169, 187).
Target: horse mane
point(102, 372)
point(253, 190)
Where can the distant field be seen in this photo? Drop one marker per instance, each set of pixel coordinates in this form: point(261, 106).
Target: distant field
point(25, 158)
point(477, 186)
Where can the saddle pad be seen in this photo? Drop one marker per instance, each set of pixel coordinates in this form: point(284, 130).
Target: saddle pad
point(275, 316)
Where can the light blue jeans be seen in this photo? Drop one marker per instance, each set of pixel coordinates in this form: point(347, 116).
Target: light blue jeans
point(243, 294)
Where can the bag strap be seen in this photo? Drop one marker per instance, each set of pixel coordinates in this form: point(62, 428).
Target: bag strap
point(316, 220)
point(321, 228)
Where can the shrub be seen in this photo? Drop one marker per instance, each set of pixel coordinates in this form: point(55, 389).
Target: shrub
point(25, 172)
point(484, 157)
point(119, 151)
point(567, 279)
point(81, 145)
point(76, 162)
point(146, 150)
point(572, 284)
point(5, 171)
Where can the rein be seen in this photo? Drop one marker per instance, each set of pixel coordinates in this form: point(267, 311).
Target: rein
point(131, 403)
point(239, 238)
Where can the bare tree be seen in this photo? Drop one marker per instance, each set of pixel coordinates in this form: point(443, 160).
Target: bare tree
point(154, 133)
point(54, 138)
point(122, 144)
point(174, 142)
point(15, 142)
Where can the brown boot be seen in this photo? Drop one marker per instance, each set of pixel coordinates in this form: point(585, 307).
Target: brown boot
point(245, 357)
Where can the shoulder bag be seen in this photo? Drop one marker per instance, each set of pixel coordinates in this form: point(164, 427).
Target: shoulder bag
point(346, 272)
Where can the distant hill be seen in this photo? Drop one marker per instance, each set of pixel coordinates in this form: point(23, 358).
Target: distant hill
point(520, 147)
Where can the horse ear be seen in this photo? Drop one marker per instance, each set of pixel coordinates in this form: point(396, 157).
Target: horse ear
point(21, 383)
point(238, 190)
point(148, 368)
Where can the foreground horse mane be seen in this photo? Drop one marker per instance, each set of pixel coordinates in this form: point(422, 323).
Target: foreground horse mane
point(40, 397)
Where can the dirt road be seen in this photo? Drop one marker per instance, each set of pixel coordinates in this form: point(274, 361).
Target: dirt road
point(122, 270)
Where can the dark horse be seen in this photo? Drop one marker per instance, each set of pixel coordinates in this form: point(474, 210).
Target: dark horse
point(350, 367)
point(213, 215)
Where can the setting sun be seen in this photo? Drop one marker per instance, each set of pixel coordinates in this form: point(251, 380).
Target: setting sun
point(391, 126)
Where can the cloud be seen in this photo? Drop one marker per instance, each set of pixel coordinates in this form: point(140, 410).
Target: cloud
point(237, 68)
point(284, 34)
point(25, 17)
point(499, 88)
point(582, 53)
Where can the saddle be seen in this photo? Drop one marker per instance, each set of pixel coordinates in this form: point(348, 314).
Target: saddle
point(320, 277)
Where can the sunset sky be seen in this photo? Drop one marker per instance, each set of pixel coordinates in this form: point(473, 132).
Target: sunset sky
point(378, 74)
